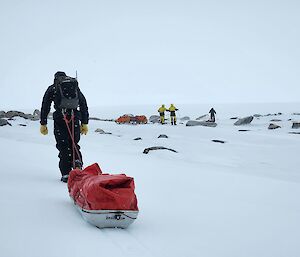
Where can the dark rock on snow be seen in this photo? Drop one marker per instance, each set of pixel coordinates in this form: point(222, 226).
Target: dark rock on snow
point(244, 121)
point(146, 150)
point(296, 133)
point(234, 118)
point(101, 131)
point(244, 130)
point(138, 138)
point(296, 125)
point(2, 114)
point(275, 120)
point(192, 123)
point(4, 122)
point(185, 118)
point(218, 141)
point(162, 136)
point(273, 126)
point(202, 117)
point(154, 119)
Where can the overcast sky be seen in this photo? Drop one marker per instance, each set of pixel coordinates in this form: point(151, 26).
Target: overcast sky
point(156, 51)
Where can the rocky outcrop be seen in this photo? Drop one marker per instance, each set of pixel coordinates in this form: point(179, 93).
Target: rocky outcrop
point(296, 125)
point(275, 120)
point(244, 121)
point(137, 138)
point(203, 117)
point(147, 150)
point(162, 136)
point(101, 131)
point(244, 130)
point(192, 123)
point(154, 119)
point(185, 118)
point(2, 114)
point(37, 113)
point(12, 114)
point(273, 126)
point(4, 122)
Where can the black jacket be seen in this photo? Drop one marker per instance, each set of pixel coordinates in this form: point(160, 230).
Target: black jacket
point(51, 96)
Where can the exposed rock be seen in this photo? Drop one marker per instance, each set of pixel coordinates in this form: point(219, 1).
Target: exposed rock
point(22, 125)
point(218, 141)
point(185, 118)
point(138, 138)
point(98, 119)
point(37, 113)
point(191, 123)
point(244, 130)
point(273, 126)
point(275, 120)
point(154, 119)
point(93, 118)
point(203, 117)
point(244, 121)
point(296, 133)
point(162, 136)
point(2, 114)
point(101, 131)
point(257, 115)
point(146, 150)
point(296, 113)
point(4, 122)
point(12, 114)
point(289, 119)
point(234, 118)
point(274, 114)
point(296, 125)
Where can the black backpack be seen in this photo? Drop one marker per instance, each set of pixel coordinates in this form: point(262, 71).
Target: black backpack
point(68, 91)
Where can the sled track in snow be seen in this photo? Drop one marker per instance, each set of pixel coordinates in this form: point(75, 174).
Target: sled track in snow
point(127, 243)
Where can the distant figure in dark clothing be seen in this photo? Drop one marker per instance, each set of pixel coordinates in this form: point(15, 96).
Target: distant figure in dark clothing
point(66, 121)
point(212, 115)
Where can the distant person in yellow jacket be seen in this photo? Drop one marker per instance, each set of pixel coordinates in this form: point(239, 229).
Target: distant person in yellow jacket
point(172, 110)
point(161, 111)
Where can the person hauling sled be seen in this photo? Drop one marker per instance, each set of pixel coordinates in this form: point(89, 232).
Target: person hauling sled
point(212, 115)
point(67, 97)
point(172, 110)
point(161, 111)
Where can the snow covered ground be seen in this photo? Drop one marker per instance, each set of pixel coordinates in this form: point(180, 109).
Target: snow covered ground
point(238, 199)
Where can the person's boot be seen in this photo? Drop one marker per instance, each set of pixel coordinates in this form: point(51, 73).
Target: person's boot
point(64, 178)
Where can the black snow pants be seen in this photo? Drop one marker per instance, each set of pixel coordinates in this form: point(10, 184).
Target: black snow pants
point(64, 144)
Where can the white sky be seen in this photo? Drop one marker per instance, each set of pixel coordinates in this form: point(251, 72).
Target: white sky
point(156, 51)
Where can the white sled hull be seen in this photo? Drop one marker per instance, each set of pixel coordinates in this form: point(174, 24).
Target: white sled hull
point(108, 218)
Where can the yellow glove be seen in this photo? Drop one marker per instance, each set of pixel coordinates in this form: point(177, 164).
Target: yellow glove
point(84, 129)
point(44, 129)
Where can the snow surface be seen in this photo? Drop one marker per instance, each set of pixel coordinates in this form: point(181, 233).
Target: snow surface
point(238, 199)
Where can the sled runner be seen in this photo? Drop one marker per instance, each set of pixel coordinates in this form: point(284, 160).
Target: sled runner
point(104, 200)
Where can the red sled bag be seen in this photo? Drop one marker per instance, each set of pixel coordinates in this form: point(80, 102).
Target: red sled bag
point(104, 200)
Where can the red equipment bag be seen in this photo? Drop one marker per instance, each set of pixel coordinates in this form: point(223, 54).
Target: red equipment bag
point(92, 190)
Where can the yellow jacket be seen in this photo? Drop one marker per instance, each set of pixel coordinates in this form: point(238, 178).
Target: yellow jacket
point(162, 109)
point(172, 108)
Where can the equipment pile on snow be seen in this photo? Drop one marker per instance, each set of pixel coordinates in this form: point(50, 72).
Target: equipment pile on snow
point(130, 119)
point(103, 200)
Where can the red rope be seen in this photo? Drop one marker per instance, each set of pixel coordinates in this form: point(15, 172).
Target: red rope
point(71, 133)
